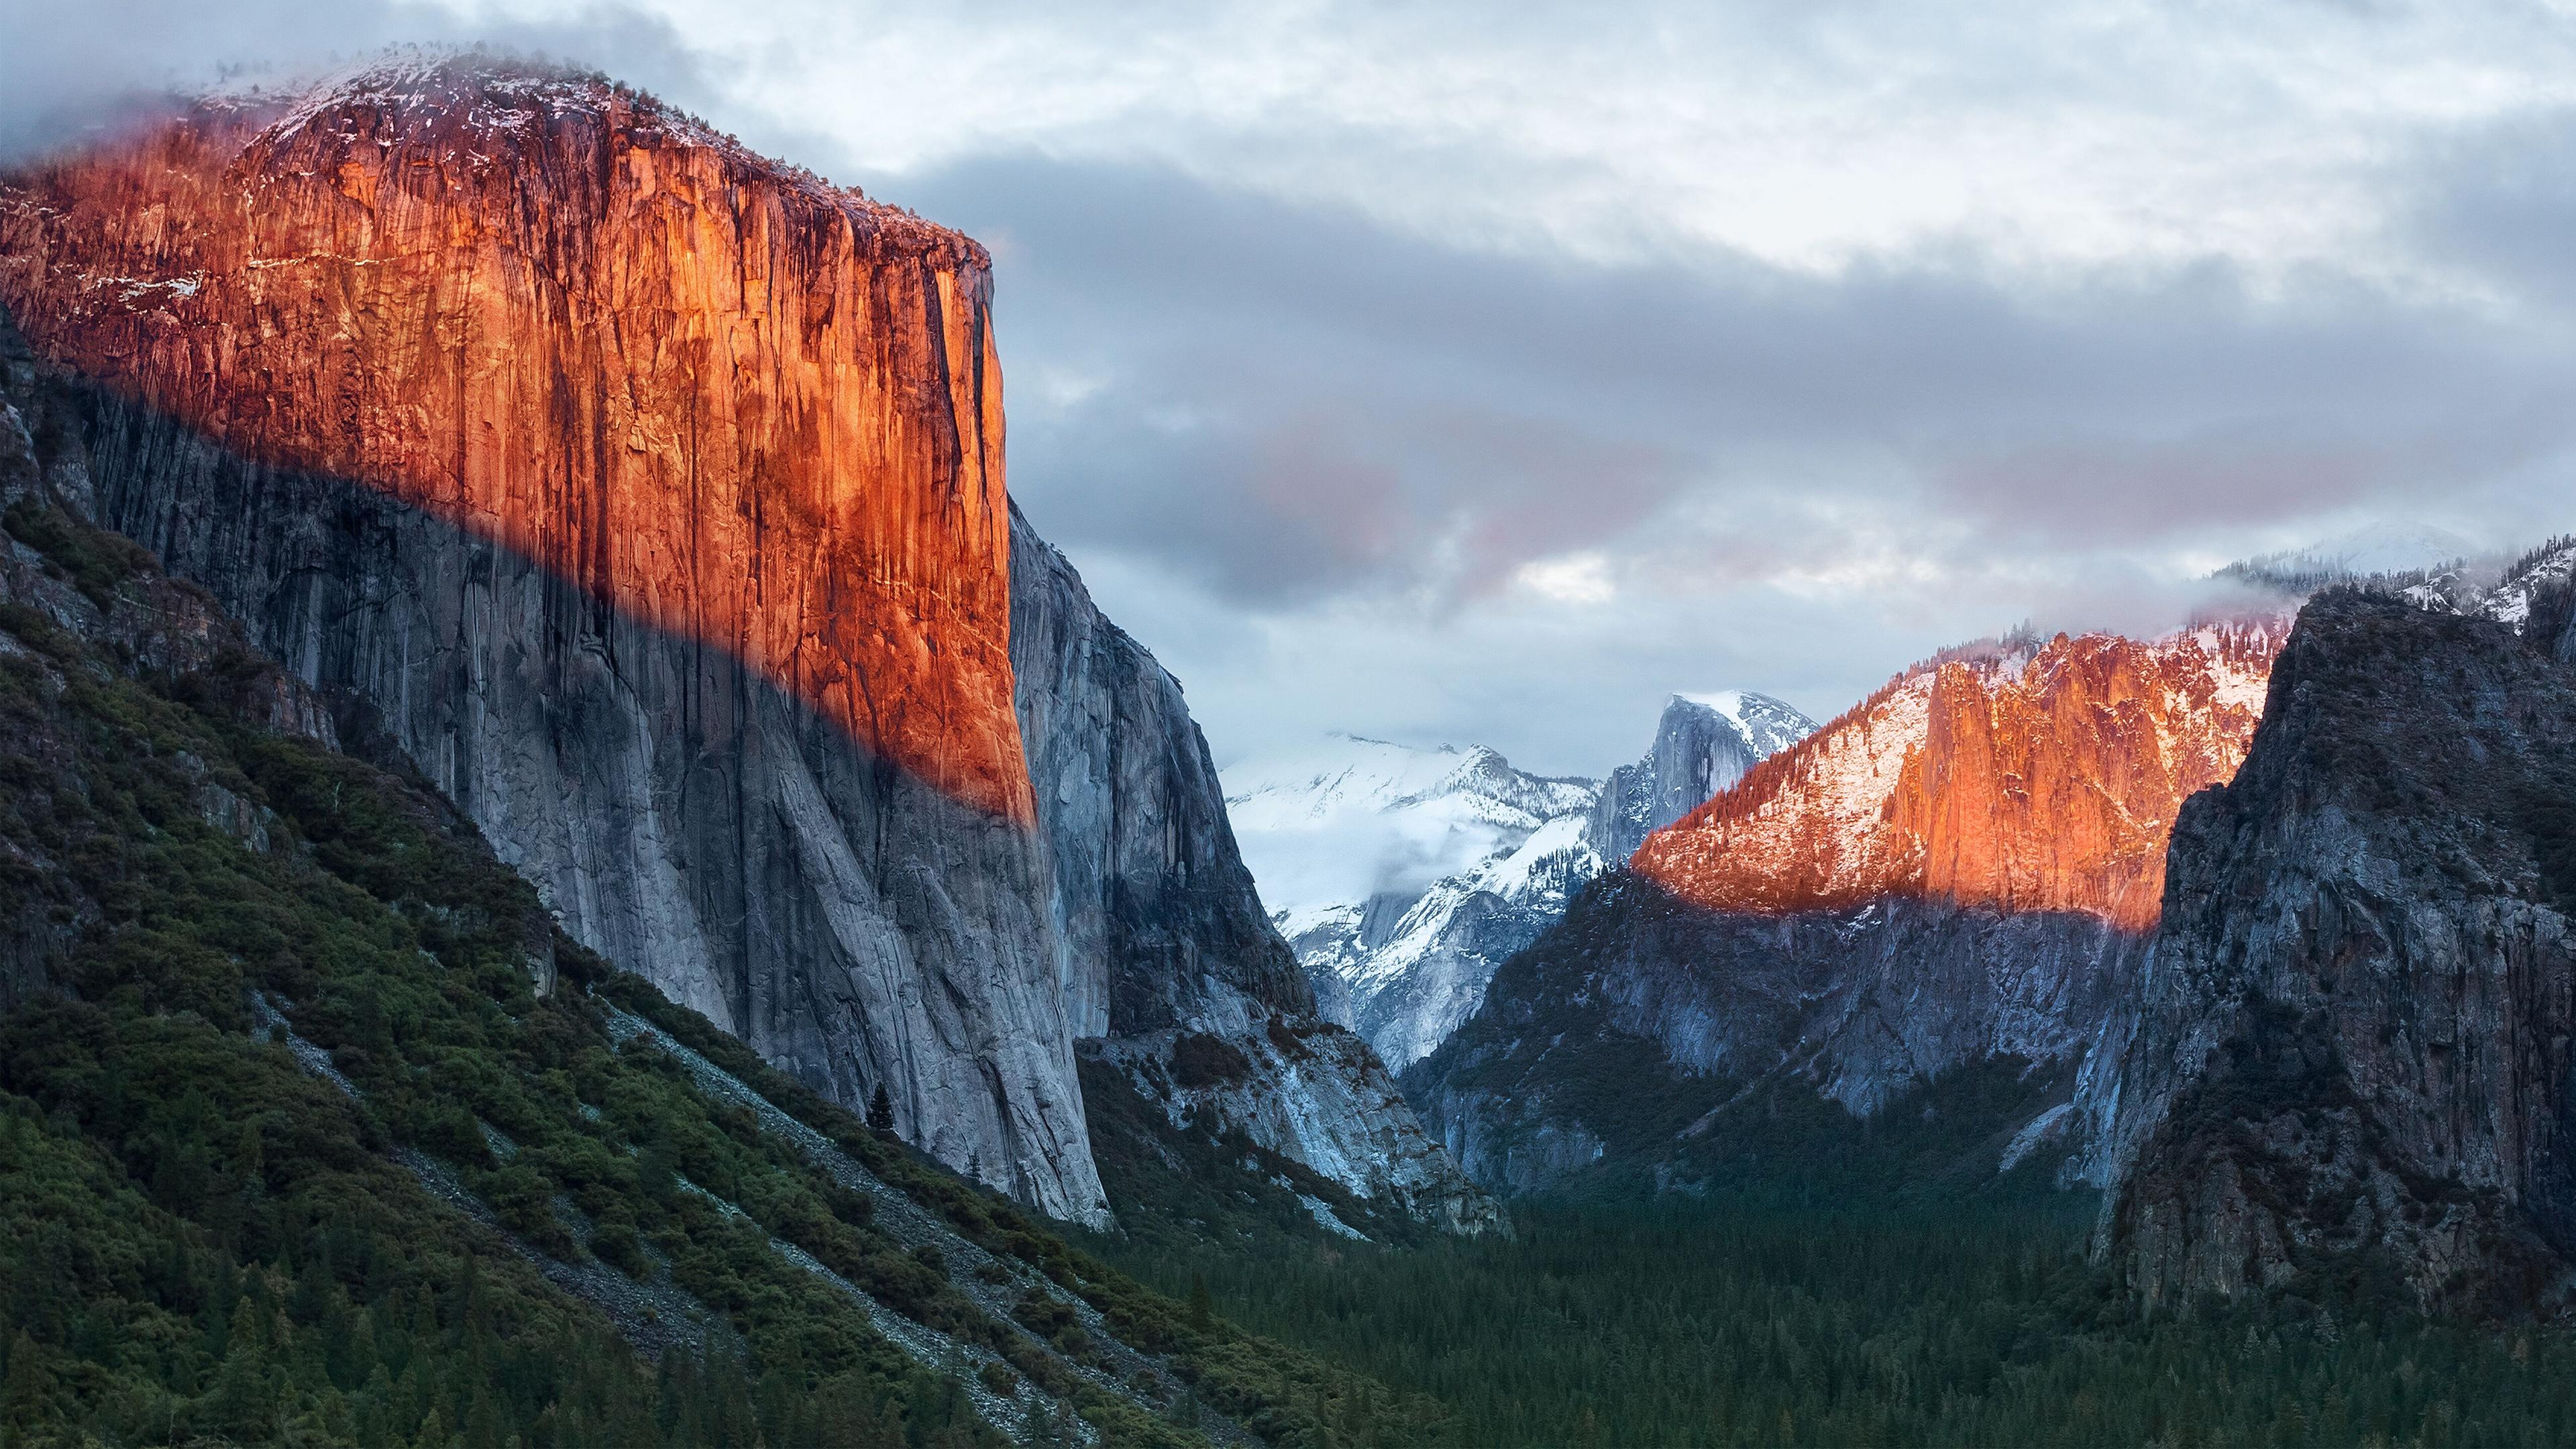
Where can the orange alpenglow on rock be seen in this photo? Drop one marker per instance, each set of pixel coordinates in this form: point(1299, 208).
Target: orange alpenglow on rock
point(2025, 779)
point(739, 404)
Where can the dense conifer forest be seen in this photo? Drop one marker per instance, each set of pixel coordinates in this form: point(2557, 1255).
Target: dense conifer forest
point(1740, 1322)
point(1831, 1281)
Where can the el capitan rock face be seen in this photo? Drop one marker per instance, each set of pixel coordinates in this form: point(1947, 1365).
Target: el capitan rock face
point(2024, 778)
point(648, 498)
point(730, 401)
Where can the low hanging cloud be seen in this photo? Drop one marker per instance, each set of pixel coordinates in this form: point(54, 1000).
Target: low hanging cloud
point(69, 72)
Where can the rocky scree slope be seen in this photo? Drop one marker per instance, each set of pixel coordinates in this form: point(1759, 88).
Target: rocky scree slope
point(2352, 1047)
point(302, 1084)
point(1184, 991)
point(1958, 872)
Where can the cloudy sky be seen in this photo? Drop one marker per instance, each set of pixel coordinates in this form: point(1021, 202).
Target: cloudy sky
point(1458, 372)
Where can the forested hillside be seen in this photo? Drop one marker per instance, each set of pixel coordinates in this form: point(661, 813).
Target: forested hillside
point(314, 1128)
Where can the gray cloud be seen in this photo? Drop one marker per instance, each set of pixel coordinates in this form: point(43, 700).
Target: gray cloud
point(1285, 401)
point(1351, 439)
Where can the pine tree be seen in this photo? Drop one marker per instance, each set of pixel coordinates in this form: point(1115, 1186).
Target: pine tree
point(1202, 1309)
point(881, 1112)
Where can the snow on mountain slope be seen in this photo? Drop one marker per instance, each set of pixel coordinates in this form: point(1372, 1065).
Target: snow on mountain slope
point(2509, 601)
point(2427, 567)
point(1357, 817)
point(1766, 724)
point(1404, 876)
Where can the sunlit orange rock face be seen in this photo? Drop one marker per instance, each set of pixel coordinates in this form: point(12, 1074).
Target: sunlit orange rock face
point(743, 405)
point(2026, 779)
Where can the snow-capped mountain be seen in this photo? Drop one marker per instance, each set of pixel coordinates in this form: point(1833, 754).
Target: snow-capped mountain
point(1404, 876)
point(2508, 600)
point(1703, 743)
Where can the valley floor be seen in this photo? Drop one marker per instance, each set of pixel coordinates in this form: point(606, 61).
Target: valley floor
point(1704, 1322)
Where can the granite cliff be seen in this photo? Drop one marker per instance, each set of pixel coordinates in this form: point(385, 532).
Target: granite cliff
point(644, 495)
point(1703, 744)
point(2027, 776)
point(1174, 977)
point(2352, 1042)
point(647, 496)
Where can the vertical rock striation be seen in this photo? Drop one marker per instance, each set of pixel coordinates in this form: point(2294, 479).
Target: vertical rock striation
point(649, 498)
point(1153, 908)
point(2355, 1025)
point(1169, 962)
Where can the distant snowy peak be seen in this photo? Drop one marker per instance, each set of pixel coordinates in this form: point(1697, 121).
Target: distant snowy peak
point(1346, 772)
point(1766, 725)
point(1354, 772)
point(1703, 744)
point(1403, 877)
point(1355, 818)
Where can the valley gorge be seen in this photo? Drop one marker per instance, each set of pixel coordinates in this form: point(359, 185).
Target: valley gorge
point(600, 848)
point(2323, 1047)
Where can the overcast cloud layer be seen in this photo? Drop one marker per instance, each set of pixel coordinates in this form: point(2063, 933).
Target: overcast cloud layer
point(1442, 373)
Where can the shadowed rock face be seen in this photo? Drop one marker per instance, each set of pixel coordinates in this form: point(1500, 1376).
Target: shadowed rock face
point(1152, 903)
point(1860, 1006)
point(649, 498)
point(2025, 779)
point(2355, 1025)
point(1165, 943)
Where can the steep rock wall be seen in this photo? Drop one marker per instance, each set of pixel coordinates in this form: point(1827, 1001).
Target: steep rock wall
point(1152, 903)
point(651, 496)
point(2029, 779)
point(1166, 947)
point(2353, 1037)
